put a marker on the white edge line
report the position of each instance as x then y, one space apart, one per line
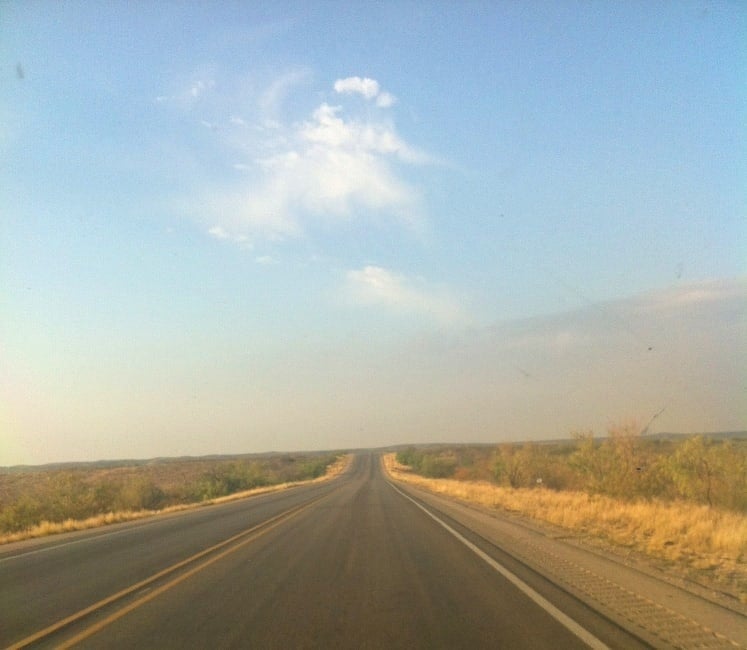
127 527
53 546
587 637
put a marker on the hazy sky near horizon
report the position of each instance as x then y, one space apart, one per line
239 227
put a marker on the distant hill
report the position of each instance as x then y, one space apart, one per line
718 435
135 462
161 460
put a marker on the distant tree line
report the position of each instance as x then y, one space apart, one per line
623 464
30 497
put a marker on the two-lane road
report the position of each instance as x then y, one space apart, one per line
356 565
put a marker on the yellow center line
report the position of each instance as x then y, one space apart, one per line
259 530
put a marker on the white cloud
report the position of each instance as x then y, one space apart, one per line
187 95
644 324
546 376
698 293
369 88
200 86
218 233
274 95
327 128
374 285
328 167
385 100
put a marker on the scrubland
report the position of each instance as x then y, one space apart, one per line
35 502
680 502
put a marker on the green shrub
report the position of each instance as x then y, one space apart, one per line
624 465
54 495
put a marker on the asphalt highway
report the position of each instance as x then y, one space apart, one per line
352 563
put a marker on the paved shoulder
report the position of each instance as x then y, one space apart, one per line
656 610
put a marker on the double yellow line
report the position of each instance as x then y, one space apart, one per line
233 543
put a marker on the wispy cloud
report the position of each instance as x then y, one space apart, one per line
646 323
385 100
377 286
368 88
220 233
199 86
275 94
548 375
700 293
188 94
335 165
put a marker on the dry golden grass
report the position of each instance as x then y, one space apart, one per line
46 528
695 537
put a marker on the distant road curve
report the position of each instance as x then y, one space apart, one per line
352 563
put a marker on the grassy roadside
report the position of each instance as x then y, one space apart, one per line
45 527
698 540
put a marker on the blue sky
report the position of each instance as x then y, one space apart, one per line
230 228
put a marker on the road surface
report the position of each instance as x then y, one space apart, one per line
352 563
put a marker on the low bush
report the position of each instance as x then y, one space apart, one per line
30 496
625 465
433 464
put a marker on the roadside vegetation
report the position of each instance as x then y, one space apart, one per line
680 500
39 501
